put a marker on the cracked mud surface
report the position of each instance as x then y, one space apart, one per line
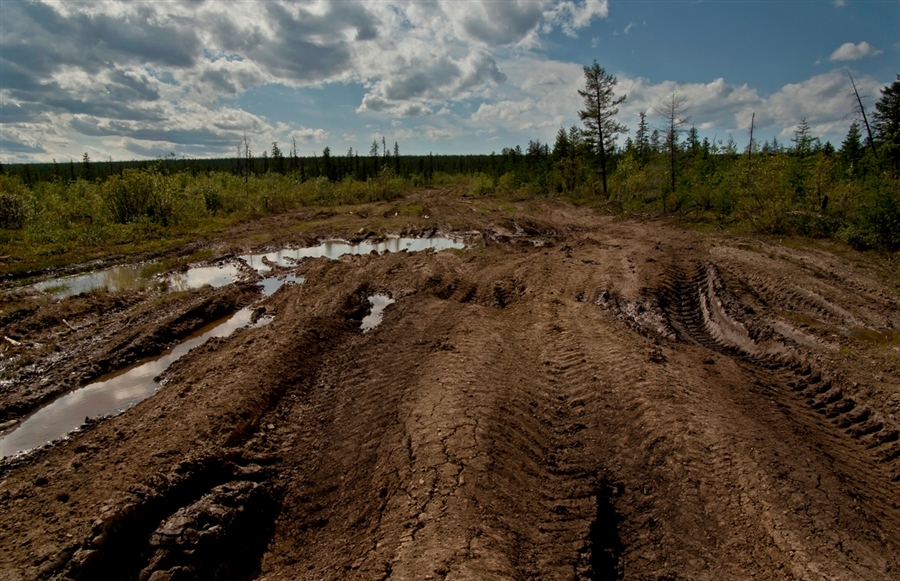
574 397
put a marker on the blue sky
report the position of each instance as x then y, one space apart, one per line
132 80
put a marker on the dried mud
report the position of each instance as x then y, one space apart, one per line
573 397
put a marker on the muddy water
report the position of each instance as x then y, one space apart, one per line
116 392
270 285
197 277
334 249
122 278
375 316
117 278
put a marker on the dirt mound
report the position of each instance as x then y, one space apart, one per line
572 398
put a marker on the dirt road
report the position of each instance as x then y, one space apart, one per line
572 397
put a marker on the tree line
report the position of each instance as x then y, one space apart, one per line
803 186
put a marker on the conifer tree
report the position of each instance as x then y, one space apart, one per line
852 149
642 139
599 115
887 124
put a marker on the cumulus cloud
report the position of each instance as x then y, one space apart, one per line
851 52
423 79
142 68
823 100
306 135
140 78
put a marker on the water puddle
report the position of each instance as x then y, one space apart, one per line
125 278
199 276
883 337
334 249
117 278
375 316
121 278
270 285
116 392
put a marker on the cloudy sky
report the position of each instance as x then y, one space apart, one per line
132 80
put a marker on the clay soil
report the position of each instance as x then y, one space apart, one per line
571 397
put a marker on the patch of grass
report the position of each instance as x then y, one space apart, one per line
412 210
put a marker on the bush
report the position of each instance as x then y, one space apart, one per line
12 203
127 196
881 218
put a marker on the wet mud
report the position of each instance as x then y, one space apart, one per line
570 397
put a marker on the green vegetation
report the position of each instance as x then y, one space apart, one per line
52 214
61 221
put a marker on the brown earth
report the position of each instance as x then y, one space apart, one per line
573 397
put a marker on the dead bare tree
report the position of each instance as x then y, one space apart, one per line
674 112
862 111
750 147
248 157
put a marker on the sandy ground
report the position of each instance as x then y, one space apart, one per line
572 397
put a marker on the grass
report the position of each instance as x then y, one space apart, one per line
169 264
29 255
412 210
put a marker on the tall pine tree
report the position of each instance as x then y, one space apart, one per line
599 115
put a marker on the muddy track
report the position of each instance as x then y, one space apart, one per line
696 313
566 400
100 333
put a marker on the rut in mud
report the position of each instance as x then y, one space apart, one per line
571 398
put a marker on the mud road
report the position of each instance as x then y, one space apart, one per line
570 397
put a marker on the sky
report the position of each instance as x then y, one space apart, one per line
141 80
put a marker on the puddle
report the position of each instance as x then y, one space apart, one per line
124 278
117 278
121 278
334 249
197 277
884 337
375 316
270 285
116 392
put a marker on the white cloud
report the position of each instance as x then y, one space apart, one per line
306 135
851 52
824 100
127 79
162 70
840 3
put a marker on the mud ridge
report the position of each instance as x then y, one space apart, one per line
173 521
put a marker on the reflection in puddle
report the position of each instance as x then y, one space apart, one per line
117 278
121 278
270 285
373 319
334 249
214 276
118 391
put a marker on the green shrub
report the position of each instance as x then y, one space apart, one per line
12 203
128 196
